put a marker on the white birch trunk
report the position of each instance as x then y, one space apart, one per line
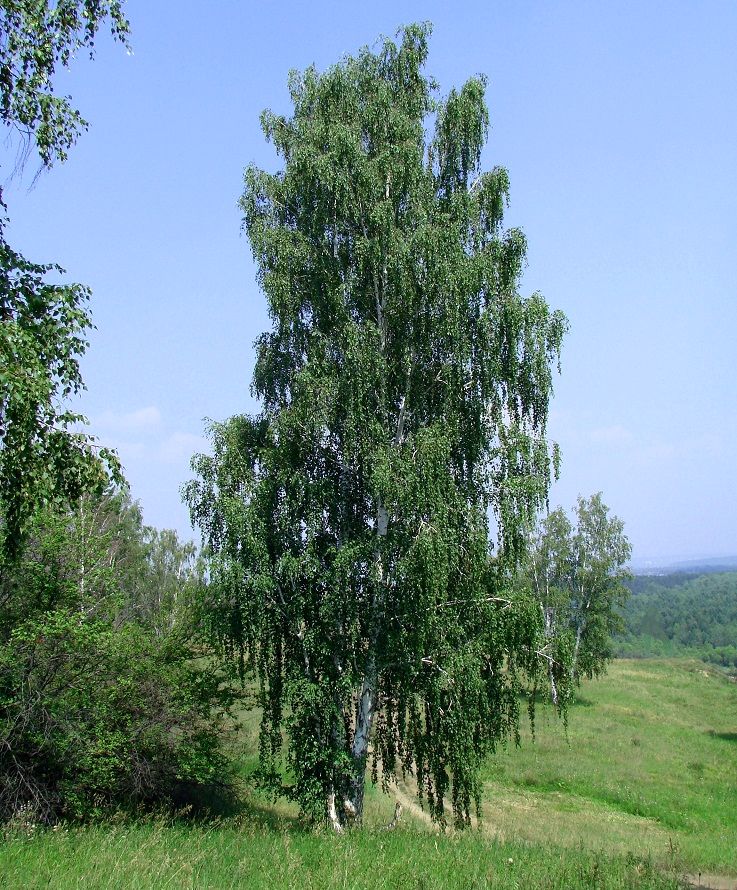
332 813
366 705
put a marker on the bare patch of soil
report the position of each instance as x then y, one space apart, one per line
703 881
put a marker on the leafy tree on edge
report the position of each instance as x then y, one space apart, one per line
103 704
44 461
36 37
405 387
43 326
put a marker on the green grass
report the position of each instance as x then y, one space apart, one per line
232 855
641 789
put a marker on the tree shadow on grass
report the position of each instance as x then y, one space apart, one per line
542 698
725 736
579 701
206 805
263 815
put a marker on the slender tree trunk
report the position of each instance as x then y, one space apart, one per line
574 663
548 614
366 706
359 750
579 632
332 813
553 687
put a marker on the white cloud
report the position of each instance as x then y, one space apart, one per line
180 446
134 421
142 436
612 435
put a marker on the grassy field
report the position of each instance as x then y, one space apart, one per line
641 790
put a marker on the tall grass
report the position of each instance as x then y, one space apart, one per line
235 855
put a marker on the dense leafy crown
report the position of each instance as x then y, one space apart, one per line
405 387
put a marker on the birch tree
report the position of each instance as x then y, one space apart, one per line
599 554
547 573
404 387
37 38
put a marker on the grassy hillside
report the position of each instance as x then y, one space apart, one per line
649 765
642 788
245 857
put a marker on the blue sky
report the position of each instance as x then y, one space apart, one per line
618 124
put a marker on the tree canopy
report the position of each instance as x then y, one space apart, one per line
405 386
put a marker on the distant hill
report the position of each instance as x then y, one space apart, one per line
701 566
682 614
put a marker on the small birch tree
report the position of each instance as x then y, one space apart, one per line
405 386
577 573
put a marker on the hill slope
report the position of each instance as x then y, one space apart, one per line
642 788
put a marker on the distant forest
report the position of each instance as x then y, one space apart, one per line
680 614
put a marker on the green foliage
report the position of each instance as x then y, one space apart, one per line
577 575
405 386
677 614
37 36
167 598
96 718
45 462
101 702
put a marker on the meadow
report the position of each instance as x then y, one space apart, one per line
638 791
